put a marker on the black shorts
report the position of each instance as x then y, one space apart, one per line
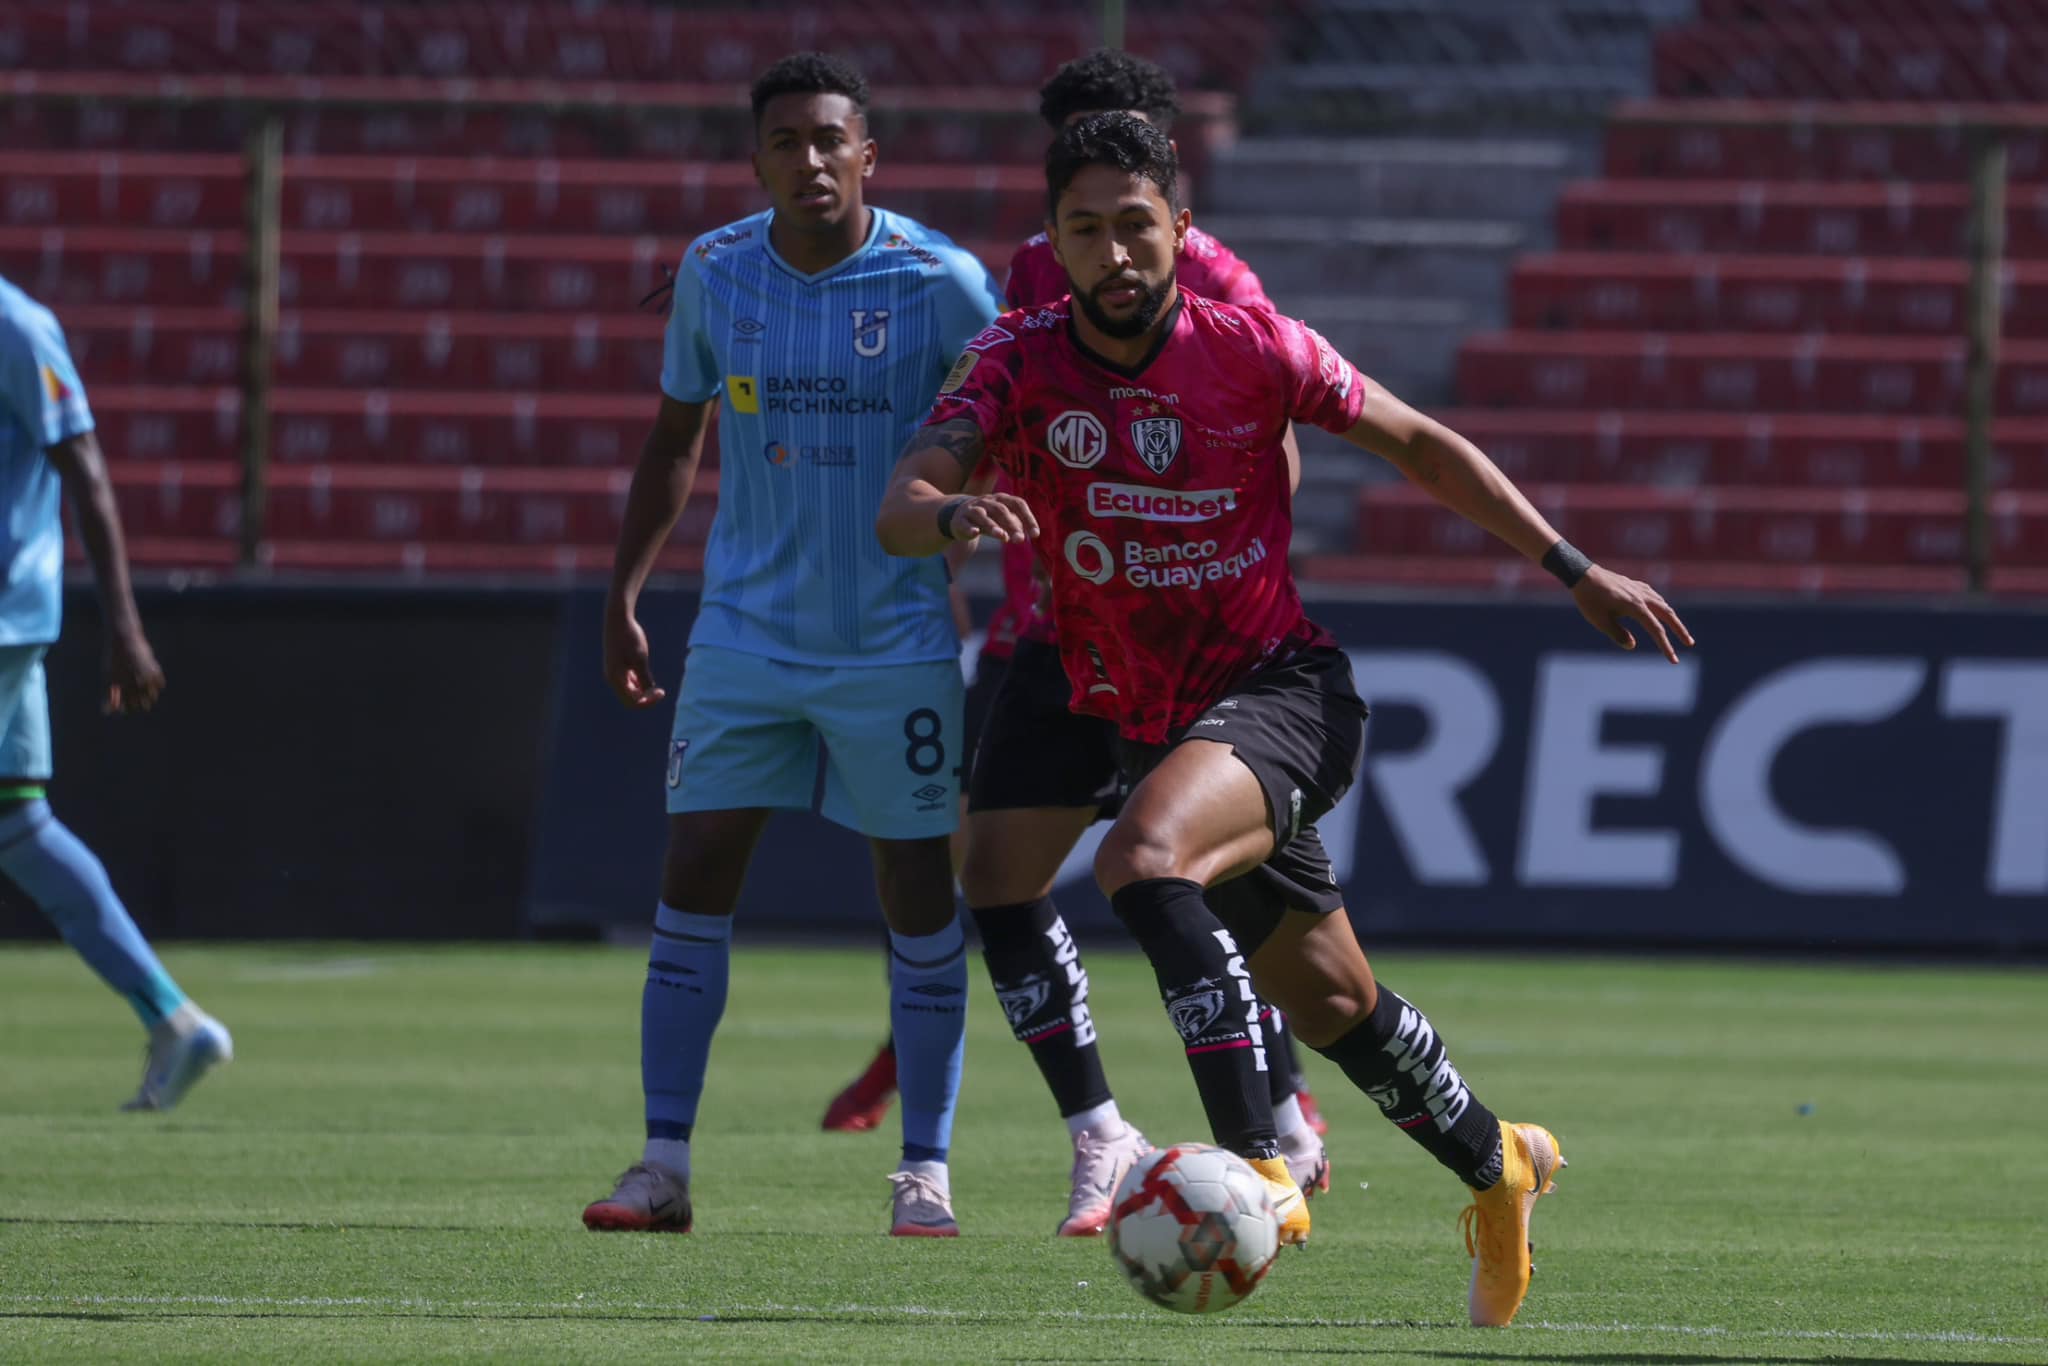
1299 727
1034 751
988 676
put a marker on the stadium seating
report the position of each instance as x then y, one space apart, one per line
726 45
393 196
1744 365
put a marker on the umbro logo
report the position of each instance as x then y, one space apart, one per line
930 792
936 989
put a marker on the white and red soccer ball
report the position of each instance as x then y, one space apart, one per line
1192 1228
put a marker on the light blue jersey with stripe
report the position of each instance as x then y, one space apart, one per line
822 379
42 403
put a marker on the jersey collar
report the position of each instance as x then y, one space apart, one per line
874 236
1166 332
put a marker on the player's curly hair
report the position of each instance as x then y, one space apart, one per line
1122 140
1106 80
811 73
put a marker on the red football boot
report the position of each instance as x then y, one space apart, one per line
861 1106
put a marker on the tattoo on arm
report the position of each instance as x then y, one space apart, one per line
959 437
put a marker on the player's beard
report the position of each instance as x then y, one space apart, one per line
1150 303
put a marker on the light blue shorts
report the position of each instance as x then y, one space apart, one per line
875 748
24 714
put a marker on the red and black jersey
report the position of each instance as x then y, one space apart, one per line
1161 493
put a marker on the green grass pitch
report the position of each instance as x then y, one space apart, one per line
1770 1162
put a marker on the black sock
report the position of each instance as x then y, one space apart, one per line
1396 1057
1279 1047
1290 1053
1208 996
1043 989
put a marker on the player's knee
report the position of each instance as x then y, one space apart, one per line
1135 852
993 875
702 878
1321 1007
915 881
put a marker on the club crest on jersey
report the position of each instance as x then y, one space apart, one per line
870 331
1076 438
1157 440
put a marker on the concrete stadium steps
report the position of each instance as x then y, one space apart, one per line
85 267
1383 257
1785 140
1756 217
364 350
71 191
1391 178
386 504
1343 63
1741 372
1209 45
1660 293
1912 527
1676 578
1933 58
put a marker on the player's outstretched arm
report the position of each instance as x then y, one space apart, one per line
661 485
133 678
1458 475
926 509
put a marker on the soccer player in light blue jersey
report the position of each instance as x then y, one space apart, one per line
822 329
47 447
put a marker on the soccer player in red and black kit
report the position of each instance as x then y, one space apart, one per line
1140 426
1042 773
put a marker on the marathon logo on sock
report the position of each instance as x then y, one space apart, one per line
1067 954
1417 1051
1160 505
1250 999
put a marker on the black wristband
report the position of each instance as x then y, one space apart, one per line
947 512
1567 562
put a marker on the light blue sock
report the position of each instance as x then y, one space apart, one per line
928 1008
67 883
688 967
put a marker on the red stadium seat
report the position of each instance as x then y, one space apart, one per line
1741 372
1677 577
351 426
373 270
446 351
1768 525
1865 218
1802 140
1868 14
70 191
931 46
1762 293
174 500
1689 449
1955 60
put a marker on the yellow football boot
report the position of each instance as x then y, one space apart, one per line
1496 1223
1288 1201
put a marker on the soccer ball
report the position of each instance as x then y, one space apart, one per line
1193 1228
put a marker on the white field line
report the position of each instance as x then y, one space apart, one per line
594 1305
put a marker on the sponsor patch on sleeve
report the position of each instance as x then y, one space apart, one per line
744 392
962 368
